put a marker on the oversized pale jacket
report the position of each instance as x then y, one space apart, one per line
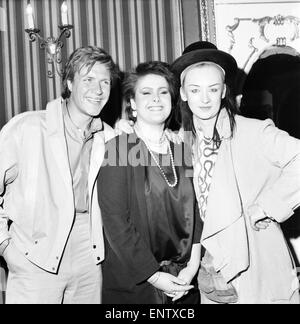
260 165
36 191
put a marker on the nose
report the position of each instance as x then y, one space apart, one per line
205 97
99 89
156 99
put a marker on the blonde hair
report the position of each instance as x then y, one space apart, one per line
200 64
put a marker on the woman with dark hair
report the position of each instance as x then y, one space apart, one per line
247 181
147 201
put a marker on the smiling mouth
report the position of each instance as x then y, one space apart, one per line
156 108
95 100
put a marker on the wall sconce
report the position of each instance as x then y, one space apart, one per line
52 45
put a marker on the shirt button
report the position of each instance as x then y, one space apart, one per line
57 258
94 246
36 242
98 258
26 253
53 269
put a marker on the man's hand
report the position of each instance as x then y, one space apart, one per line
175 137
124 125
258 219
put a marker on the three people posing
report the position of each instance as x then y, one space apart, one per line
246 180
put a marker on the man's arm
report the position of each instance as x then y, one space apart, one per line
279 200
3 246
8 173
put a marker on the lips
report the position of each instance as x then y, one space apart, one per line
156 108
94 100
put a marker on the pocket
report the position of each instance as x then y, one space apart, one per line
15 260
213 284
205 282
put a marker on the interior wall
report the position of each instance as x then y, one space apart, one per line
132 31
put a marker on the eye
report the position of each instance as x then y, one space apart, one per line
88 79
214 90
106 82
164 92
194 91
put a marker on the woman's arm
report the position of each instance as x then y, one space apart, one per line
189 272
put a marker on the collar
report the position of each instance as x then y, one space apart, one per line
55 121
95 125
223 125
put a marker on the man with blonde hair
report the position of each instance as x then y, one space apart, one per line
48 168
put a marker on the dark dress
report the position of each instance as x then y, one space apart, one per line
148 225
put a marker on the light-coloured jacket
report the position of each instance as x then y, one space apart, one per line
36 191
259 165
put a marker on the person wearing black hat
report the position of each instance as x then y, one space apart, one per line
247 181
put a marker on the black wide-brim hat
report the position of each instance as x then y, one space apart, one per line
205 51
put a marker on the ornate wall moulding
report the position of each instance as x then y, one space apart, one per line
277 31
208 23
247 29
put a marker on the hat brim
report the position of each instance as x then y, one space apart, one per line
225 60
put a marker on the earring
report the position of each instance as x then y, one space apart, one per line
134 113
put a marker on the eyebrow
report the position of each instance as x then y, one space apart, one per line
94 77
196 85
145 88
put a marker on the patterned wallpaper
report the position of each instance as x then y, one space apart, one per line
131 30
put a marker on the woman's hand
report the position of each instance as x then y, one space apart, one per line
189 272
258 219
169 284
186 275
124 125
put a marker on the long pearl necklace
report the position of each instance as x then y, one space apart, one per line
172 185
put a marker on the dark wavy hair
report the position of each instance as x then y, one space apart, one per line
143 69
86 56
184 114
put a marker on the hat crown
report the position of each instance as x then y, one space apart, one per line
203 51
200 45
